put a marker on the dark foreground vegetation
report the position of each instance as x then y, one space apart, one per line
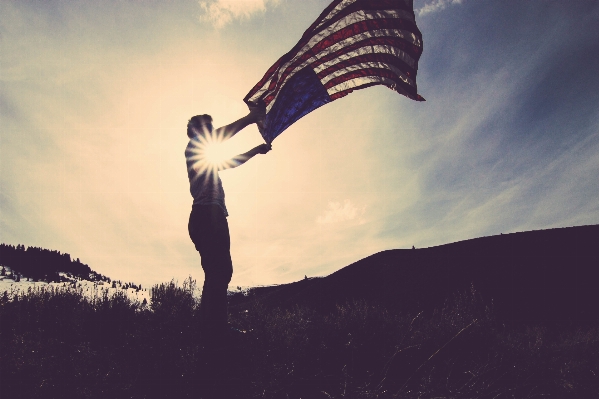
57 344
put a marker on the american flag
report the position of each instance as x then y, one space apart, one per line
352 45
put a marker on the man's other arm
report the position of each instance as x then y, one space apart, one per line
246 156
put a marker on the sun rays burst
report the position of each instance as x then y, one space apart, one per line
209 154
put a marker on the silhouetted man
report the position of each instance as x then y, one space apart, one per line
208 227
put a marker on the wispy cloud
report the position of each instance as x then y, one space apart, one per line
436 5
222 12
338 212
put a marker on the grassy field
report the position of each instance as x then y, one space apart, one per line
55 343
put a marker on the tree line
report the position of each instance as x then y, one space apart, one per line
44 264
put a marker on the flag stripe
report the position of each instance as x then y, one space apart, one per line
367 45
362 72
352 45
363 82
371 7
254 95
377 40
370 40
327 15
329 80
360 28
361 23
364 54
345 88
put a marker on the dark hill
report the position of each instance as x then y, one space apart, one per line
44 264
545 275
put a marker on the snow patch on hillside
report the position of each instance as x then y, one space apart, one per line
90 289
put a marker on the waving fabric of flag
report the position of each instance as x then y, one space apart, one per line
352 45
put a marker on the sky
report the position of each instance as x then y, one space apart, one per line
95 98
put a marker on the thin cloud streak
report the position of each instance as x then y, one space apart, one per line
223 12
435 6
337 212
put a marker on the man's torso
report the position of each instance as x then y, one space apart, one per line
205 184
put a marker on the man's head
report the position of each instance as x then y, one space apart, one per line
198 125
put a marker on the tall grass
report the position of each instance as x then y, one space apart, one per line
56 343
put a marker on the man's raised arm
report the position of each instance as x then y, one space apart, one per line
255 115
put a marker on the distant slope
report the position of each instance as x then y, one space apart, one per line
545 275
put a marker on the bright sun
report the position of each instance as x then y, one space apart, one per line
209 153
215 153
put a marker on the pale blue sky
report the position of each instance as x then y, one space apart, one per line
95 96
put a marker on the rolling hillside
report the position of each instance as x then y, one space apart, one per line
545 275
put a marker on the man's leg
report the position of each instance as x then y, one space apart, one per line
213 307
210 233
